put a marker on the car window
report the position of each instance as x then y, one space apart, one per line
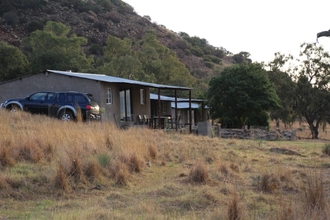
80 99
40 96
61 96
50 95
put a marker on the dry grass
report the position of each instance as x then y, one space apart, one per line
73 170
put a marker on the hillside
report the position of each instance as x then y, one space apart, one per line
96 21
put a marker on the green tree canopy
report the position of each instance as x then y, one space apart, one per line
161 63
285 89
120 60
240 93
13 63
51 48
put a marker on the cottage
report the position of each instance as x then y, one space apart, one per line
123 100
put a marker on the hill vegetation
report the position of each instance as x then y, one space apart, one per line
56 170
95 22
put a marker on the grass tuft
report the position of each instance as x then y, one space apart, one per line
268 183
235 210
6 160
199 173
326 149
61 179
153 152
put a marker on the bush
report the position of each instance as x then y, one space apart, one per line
35 25
99 25
199 173
326 149
10 18
95 49
209 64
197 51
104 160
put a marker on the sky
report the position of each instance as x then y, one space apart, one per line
260 27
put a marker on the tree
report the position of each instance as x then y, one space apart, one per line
285 89
51 48
312 92
120 60
311 75
161 64
240 93
13 63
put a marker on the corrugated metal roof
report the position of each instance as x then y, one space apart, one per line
113 79
154 96
184 105
165 98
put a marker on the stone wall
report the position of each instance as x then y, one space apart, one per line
255 134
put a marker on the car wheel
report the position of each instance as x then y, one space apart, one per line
66 116
14 108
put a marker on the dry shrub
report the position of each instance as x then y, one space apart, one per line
268 183
6 160
163 162
224 169
77 170
136 163
79 117
61 179
121 174
49 152
314 194
234 167
153 151
235 210
30 151
199 173
92 170
3 183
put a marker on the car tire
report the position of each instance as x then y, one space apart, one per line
14 108
66 115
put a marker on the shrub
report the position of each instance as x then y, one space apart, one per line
99 25
121 174
77 170
268 183
326 149
234 209
10 18
92 170
6 159
34 25
209 64
135 164
315 197
153 151
197 51
199 173
104 160
61 179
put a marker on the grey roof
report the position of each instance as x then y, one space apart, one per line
113 79
184 105
172 99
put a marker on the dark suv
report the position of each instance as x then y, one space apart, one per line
63 105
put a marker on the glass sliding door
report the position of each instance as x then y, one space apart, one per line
125 105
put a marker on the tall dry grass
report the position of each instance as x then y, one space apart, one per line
170 175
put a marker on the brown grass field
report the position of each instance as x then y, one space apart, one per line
51 169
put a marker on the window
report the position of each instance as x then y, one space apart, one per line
109 96
142 96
